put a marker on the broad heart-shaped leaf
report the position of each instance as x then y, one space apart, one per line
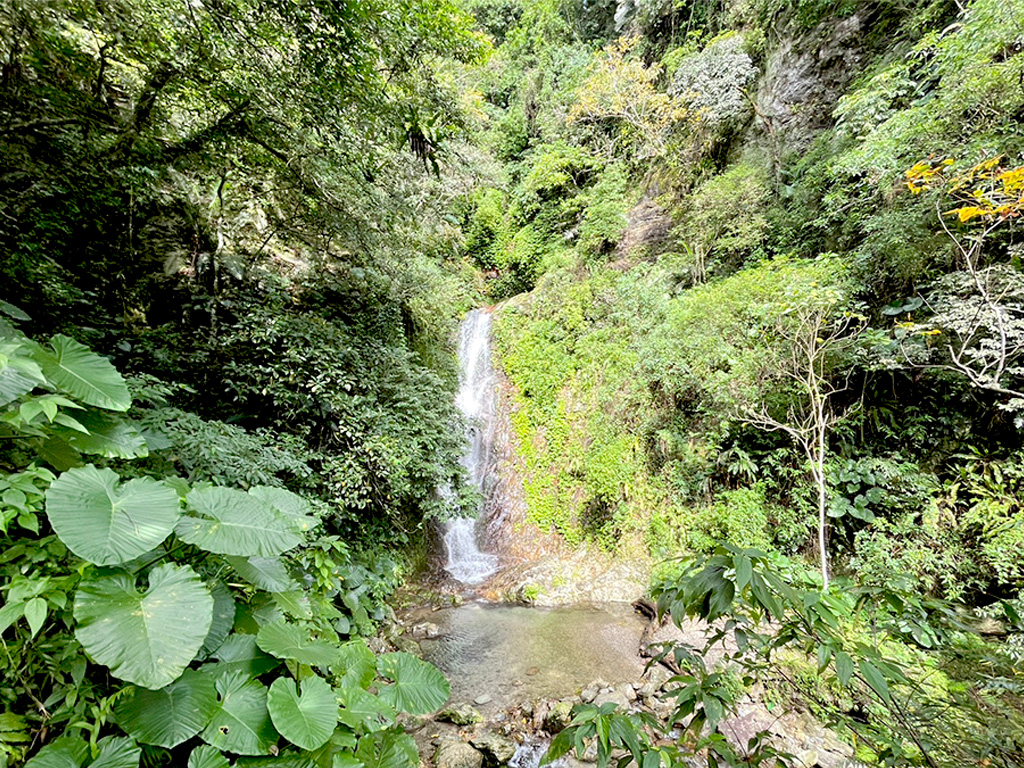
288 641
356 664
107 524
117 752
108 435
231 522
307 717
239 654
19 374
290 505
419 687
205 756
241 724
65 752
223 617
83 374
171 715
147 639
363 711
267 573
388 749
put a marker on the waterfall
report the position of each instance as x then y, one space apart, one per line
475 400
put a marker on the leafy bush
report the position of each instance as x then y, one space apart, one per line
221 631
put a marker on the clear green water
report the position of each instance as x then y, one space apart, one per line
516 653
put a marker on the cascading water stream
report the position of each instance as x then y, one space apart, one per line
475 400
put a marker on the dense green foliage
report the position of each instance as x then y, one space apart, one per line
760 283
773 260
239 206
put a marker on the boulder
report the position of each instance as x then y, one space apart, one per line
459 714
457 754
497 749
616 696
427 630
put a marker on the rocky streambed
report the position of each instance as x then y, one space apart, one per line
517 671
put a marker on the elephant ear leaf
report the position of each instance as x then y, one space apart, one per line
418 688
77 370
117 752
290 505
146 638
307 716
107 523
171 715
387 749
288 641
205 756
65 752
241 724
232 522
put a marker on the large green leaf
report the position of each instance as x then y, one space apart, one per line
117 752
419 687
145 638
356 664
241 724
205 756
171 715
290 505
306 717
65 752
231 522
82 373
267 573
388 749
364 711
239 654
109 524
107 435
19 374
288 641
223 617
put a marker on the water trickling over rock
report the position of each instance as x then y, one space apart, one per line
476 401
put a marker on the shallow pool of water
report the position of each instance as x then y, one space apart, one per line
515 653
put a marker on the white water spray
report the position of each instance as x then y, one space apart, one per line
476 400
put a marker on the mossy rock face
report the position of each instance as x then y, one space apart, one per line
460 714
497 749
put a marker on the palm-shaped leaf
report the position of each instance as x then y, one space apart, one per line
306 717
241 724
231 522
77 370
108 524
171 715
418 688
145 638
